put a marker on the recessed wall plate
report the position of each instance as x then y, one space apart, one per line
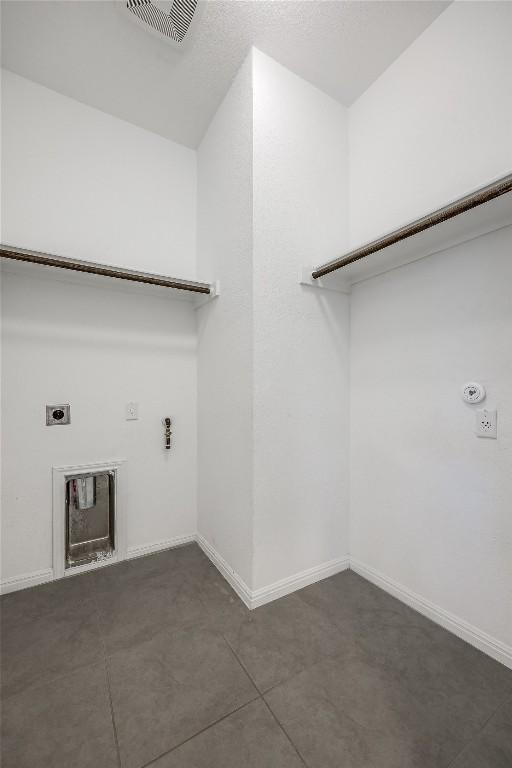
58 414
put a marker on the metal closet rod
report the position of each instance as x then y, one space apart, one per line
62 262
463 204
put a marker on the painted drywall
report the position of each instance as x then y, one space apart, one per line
84 184
273 431
97 348
430 501
1 377
93 52
225 330
300 334
437 123
81 183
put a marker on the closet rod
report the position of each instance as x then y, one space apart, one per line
49 260
463 204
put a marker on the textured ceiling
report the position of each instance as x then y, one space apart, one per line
93 52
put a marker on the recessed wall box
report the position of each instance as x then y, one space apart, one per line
58 414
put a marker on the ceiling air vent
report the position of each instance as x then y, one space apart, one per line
172 20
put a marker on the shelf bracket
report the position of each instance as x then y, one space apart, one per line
201 299
332 282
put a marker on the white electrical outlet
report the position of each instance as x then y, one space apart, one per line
132 411
486 424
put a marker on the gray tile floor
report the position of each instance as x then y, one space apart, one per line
156 662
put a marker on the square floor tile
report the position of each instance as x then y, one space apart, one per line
46 646
167 689
420 655
134 570
224 609
65 595
282 638
347 599
63 724
157 568
347 713
134 614
492 747
249 738
356 678
431 658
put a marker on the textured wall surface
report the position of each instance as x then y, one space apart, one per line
430 501
96 348
225 383
300 334
437 123
284 172
273 355
80 183
93 52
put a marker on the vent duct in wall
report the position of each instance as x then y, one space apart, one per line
171 20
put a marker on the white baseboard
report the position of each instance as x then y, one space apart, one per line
481 640
298 581
255 598
40 577
158 546
25 580
233 579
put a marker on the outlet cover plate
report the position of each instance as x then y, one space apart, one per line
486 423
132 411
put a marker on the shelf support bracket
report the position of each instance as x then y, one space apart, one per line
333 282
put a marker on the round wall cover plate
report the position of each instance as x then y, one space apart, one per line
472 392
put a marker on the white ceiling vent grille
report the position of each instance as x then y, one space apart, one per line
170 19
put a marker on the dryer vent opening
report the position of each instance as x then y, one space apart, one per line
170 19
90 518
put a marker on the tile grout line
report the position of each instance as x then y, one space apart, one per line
263 692
479 732
237 658
220 719
112 715
96 608
289 739
107 675
234 653
262 697
203 730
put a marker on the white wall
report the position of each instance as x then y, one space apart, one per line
81 183
430 502
437 123
225 383
273 355
300 334
96 348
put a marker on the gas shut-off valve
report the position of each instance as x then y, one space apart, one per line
167 432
